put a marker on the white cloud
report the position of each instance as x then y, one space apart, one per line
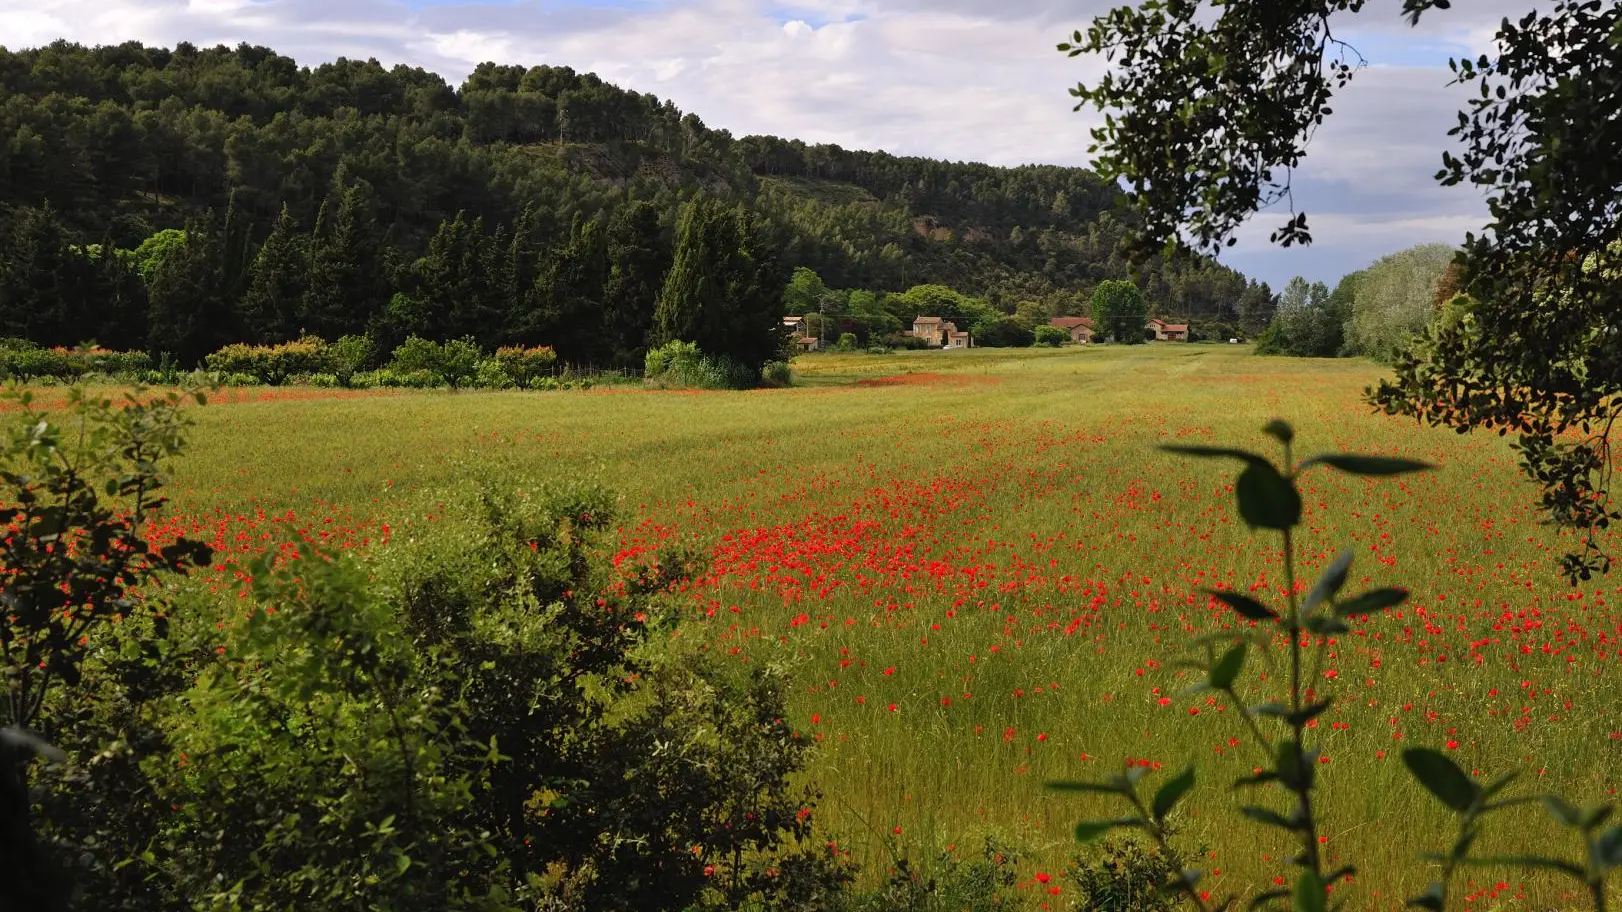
956 79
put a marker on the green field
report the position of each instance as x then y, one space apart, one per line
976 571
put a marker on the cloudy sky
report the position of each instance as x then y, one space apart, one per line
974 80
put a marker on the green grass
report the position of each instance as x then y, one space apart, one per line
989 541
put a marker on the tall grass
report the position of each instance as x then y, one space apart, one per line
978 570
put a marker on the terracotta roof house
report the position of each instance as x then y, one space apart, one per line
928 329
955 339
1167 332
1079 328
795 326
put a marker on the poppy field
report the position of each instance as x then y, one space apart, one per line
975 573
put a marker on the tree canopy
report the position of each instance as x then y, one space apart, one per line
531 205
1212 106
1119 311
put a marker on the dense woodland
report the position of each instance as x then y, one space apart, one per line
174 200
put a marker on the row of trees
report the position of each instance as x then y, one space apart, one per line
597 294
1374 312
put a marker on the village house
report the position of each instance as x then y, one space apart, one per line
1079 328
796 329
938 333
1167 332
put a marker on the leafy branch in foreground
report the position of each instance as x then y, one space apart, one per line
1269 499
74 496
1209 106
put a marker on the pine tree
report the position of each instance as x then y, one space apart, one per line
277 283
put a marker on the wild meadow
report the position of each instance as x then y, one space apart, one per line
977 572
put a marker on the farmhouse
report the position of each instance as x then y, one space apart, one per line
938 333
796 329
1167 332
1079 328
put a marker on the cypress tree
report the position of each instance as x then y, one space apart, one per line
638 259
680 308
569 293
34 274
347 285
277 283
188 312
724 290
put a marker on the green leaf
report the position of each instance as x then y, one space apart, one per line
1595 816
1330 583
1324 625
1185 880
1372 602
1441 777
1088 830
1227 668
1269 817
1562 810
1526 861
1261 778
1244 604
1608 848
1367 465
1168 795
1267 500
1430 899
1309 892
1294 769
401 863
1265 898
1280 430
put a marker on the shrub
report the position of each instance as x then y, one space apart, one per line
22 360
777 373
846 343
452 363
1050 336
271 364
526 364
79 494
1122 874
983 884
877 350
368 379
905 342
348 355
491 375
461 723
680 365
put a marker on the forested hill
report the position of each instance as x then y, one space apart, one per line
348 175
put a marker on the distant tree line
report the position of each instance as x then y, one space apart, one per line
1373 312
530 204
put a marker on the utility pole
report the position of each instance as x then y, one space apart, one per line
822 323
